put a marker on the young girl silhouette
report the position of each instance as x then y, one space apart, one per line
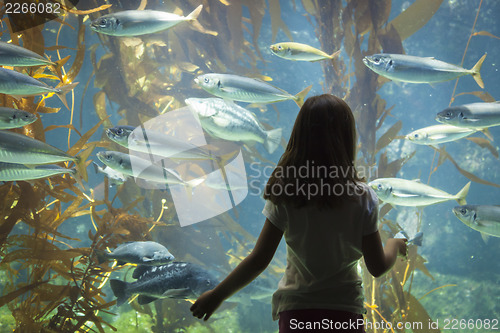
328 216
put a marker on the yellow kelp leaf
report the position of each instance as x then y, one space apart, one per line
418 316
483 143
309 6
80 54
485 33
467 174
484 95
52 127
100 108
142 5
415 17
57 47
84 138
46 76
257 9
389 135
276 21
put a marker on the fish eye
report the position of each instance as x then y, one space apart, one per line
206 80
390 62
119 131
463 211
380 187
416 136
102 22
448 114
14 116
376 59
280 47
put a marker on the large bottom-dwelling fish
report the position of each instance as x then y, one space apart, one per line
482 218
180 280
142 253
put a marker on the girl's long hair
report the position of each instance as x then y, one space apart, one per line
318 163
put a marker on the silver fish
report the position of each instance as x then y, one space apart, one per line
14 55
406 68
14 118
438 134
142 253
139 22
474 115
179 280
152 142
18 84
244 89
114 177
405 192
229 121
140 168
15 172
482 218
300 52
18 148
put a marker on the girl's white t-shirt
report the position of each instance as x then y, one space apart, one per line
323 249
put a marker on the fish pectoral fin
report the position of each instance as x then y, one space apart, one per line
485 237
178 293
222 122
143 299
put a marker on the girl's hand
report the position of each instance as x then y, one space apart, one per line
402 247
206 304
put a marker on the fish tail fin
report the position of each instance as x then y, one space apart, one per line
418 238
476 75
334 54
272 140
119 289
460 196
299 98
63 91
195 13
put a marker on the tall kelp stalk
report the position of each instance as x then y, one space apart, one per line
362 28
